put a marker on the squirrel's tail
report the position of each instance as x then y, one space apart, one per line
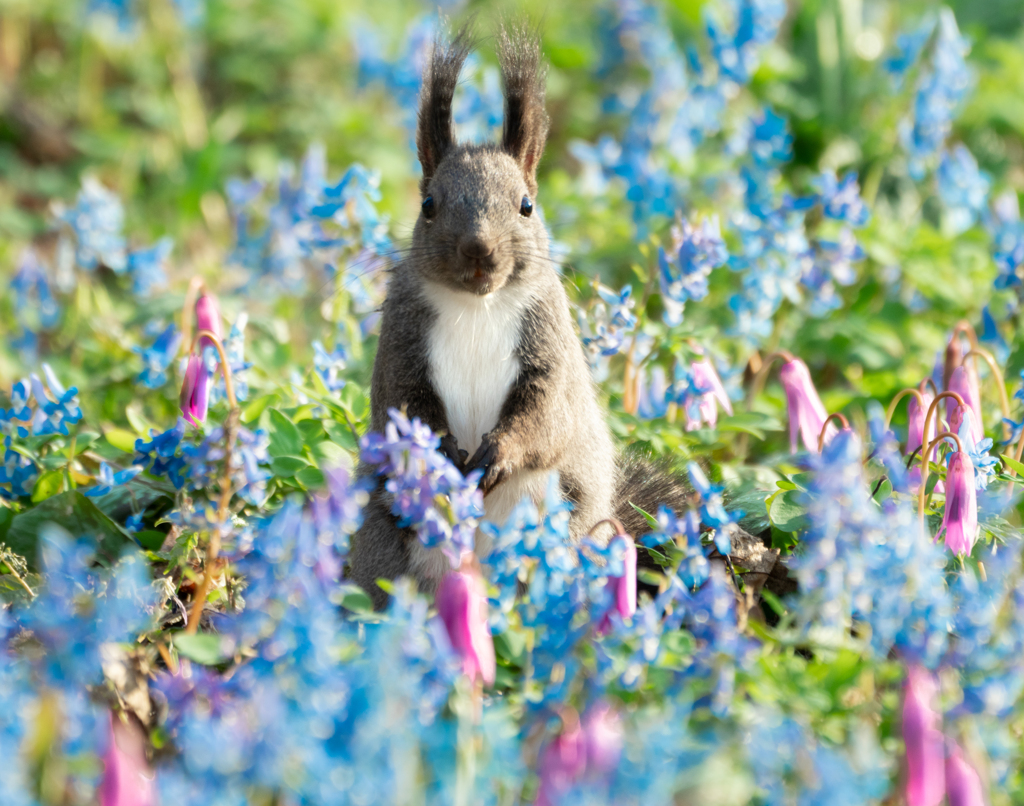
647 484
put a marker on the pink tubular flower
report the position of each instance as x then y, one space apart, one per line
623 588
806 411
562 763
208 318
923 740
705 377
195 391
963 786
602 727
127 779
960 518
966 385
462 605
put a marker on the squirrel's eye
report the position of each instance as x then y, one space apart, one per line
526 207
428 208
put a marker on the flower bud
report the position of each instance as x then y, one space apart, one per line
127 779
806 411
462 605
965 384
923 740
208 318
963 786
960 518
195 390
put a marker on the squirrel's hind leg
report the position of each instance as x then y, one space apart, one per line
380 549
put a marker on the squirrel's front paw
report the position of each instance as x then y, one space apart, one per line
449 447
489 458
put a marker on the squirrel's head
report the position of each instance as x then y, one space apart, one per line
477 227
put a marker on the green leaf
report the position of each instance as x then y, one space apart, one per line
121 438
205 648
511 646
285 439
754 423
256 407
75 513
1013 464
150 539
356 600
330 455
47 485
651 520
310 477
287 466
786 514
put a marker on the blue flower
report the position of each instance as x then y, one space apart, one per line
96 222
54 416
962 187
18 473
158 357
329 365
108 479
146 266
698 251
160 455
841 200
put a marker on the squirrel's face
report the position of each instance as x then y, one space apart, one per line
477 228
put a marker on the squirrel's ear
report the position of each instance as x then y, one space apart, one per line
434 130
526 120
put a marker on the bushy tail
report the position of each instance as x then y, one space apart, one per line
648 484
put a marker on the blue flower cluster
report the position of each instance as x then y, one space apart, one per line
606 327
308 224
697 251
430 494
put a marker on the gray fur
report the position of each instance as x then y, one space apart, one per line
477 242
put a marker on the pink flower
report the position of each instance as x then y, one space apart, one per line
963 786
923 740
965 384
915 422
705 377
960 518
562 763
623 588
208 318
127 779
195 390
462 605
591 748
602 728
806 411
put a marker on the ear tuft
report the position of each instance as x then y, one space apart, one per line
526 120
434 127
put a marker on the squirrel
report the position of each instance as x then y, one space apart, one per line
477 339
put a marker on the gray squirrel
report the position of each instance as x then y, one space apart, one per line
477 338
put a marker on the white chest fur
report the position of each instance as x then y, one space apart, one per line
472 355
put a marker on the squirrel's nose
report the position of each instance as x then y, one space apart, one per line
475 249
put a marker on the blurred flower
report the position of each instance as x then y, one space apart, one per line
54 416
713 394
158 357
697 251
652 397
922 737
991 336
963 786
108 479
96 222
842 200
146 266
621 586
462 605
807 413
965 383
962 187
208 318
329 365
960 517
562 762
18 473
127 778
1007 232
